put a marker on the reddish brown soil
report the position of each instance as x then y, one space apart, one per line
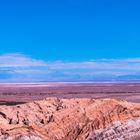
13 94
71 119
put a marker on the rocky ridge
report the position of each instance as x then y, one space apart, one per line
71 119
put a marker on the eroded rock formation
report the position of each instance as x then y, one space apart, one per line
71 119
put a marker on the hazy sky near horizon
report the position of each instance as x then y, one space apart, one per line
69 39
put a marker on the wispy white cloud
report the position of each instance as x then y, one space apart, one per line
14 60
19 67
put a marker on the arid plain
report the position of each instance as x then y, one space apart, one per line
19 93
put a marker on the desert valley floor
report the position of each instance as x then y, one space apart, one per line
21 93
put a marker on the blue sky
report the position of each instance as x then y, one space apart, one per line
69 31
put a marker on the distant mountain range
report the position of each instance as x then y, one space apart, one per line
11 76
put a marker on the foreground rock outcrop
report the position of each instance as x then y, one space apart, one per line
71 119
